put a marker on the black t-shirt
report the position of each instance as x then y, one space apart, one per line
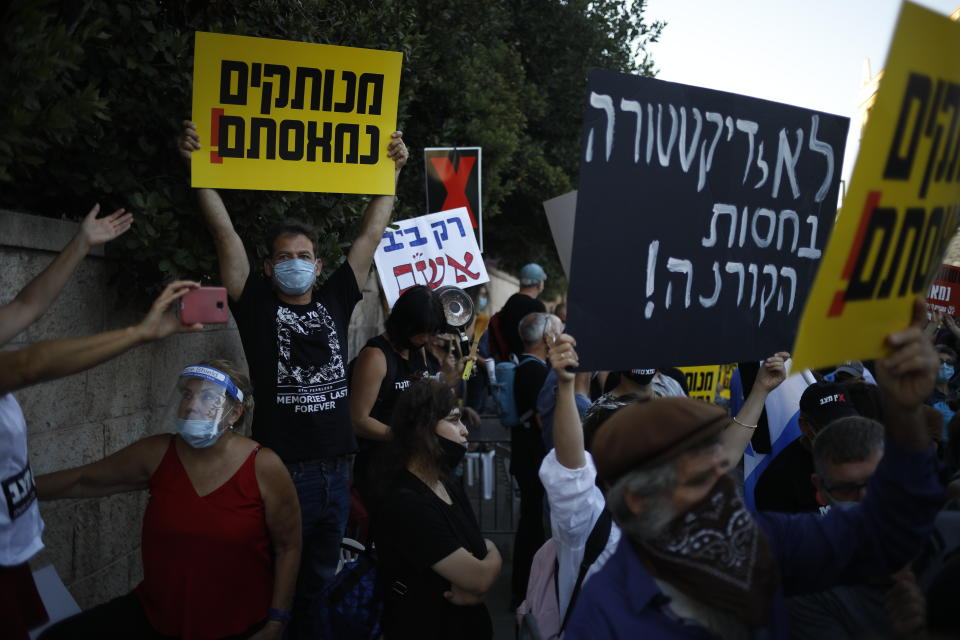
527 382
298 365
414 530
517 306
785 486
399 376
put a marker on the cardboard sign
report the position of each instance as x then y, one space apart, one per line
901 208
453 181
700 220
561 214
944 295
433 250
293 116
702 382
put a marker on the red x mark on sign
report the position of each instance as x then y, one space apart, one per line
455 182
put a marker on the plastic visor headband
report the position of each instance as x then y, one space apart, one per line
215 376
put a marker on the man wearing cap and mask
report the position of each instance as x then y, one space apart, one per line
506 328
294 336
785 485
695 563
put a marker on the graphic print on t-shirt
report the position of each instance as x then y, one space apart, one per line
311 375
20 492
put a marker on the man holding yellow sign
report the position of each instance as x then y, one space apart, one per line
297 116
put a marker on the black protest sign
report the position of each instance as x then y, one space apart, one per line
453 181
701 217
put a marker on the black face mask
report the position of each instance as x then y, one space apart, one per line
451 453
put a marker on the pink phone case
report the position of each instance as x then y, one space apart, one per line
207 305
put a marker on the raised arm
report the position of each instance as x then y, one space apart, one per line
35 298
567 430
57 358
736 437
231 254
368 373
283 523
128 469
376 217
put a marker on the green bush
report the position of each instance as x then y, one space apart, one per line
98 89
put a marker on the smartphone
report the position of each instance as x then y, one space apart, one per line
206 304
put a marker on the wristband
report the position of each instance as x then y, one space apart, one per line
743 424
278 615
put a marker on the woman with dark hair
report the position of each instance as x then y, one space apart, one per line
386 366
434 565
221 532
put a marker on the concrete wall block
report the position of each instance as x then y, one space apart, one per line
104 585
91 549
56 404
25 231
79 309
121 524
65 448
118 387
125 430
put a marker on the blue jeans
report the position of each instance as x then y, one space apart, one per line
323 488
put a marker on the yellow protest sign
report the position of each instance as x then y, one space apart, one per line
293 116
702 382
901 208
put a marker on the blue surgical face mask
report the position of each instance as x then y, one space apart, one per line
482 302
294 277
199 434
945 373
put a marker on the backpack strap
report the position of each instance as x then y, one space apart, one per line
596 543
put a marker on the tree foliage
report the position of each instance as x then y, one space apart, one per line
97 90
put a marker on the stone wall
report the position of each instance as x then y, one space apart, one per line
95 543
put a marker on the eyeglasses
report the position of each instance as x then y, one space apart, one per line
849 491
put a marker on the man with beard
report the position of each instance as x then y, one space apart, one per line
694 562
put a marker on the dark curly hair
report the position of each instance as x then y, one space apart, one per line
415 418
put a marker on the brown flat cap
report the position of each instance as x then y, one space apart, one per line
643 435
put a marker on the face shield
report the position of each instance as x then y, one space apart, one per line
205 403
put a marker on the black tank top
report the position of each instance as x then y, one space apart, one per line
399 376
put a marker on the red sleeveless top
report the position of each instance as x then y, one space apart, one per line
207 567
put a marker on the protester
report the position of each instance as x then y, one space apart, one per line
526 445
386 367
845 456
20 521
945 397
568 473
434 565
294 336
222 513
785 485
696 558
503 333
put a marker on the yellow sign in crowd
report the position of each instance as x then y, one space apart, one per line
294 116
901 208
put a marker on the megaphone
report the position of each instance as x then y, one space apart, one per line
458 312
